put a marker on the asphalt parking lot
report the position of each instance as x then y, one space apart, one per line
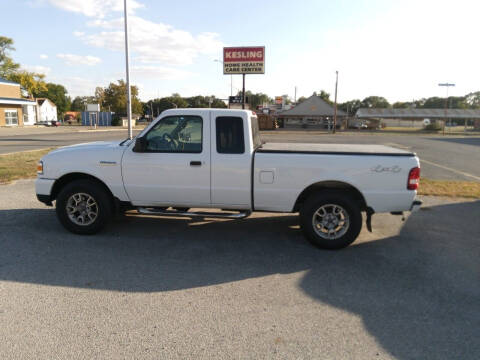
442 157
253 289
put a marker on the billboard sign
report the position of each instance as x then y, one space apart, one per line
244 60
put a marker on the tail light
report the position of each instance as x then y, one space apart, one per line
413 179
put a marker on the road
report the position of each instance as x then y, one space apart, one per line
445 158
164 288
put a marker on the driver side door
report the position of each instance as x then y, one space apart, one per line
174 168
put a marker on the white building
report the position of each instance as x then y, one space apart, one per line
29 114
46 109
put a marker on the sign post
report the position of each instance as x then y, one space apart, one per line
244 60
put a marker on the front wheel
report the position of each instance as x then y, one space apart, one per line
83 207
331 220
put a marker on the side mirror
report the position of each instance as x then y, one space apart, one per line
140 145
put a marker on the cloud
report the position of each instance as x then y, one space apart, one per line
37 69
95 8
153 42
78 33
159 72
43 56
71 59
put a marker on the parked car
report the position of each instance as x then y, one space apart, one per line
214 158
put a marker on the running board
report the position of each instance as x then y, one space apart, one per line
203 214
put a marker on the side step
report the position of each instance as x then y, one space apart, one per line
202 214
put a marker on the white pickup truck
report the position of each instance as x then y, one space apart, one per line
212 158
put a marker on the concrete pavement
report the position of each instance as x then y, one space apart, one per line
149 288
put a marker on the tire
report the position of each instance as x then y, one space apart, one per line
336 231
84 197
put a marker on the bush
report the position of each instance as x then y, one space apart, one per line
433 127
116 120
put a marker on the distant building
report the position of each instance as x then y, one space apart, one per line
417 117
313 113
14 110
47 110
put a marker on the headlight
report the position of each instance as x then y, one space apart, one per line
40 168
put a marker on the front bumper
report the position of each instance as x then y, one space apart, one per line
43 189
416 205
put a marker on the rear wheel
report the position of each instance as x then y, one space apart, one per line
331 220
83 207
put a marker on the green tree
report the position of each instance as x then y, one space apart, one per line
116 98
403 105
351 106
58 94
7 65
375 102
301 99
255 99
473 100
78 103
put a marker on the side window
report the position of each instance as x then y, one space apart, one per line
176 134
230 138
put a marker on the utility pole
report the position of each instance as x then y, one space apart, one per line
335 108
127 66
243 92
295 99
447 85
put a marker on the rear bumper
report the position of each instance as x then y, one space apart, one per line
43 189
416 205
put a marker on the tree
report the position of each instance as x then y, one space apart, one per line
403 105
116 99
58 94
7 65
100 97
255 99
375 102
325 96
473 100
78 104
351 106
31 82
301 99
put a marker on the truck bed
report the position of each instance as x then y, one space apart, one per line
333 149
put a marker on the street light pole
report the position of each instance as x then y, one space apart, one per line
127 66
447 85
335 108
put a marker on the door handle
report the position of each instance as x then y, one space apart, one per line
195 163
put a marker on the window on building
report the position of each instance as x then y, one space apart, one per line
11 117
230 139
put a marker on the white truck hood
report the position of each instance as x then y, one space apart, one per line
91 158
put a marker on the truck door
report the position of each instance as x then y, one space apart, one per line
231 160
175 167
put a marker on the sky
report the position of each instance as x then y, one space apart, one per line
397 49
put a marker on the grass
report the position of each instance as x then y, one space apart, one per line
24 166
20 165
448 188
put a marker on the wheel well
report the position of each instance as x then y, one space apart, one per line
68 178
330 185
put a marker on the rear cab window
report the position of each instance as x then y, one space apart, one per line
230 135
257 142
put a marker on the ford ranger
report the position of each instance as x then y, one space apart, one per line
214 159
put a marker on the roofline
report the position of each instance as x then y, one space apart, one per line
8 82
14 101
